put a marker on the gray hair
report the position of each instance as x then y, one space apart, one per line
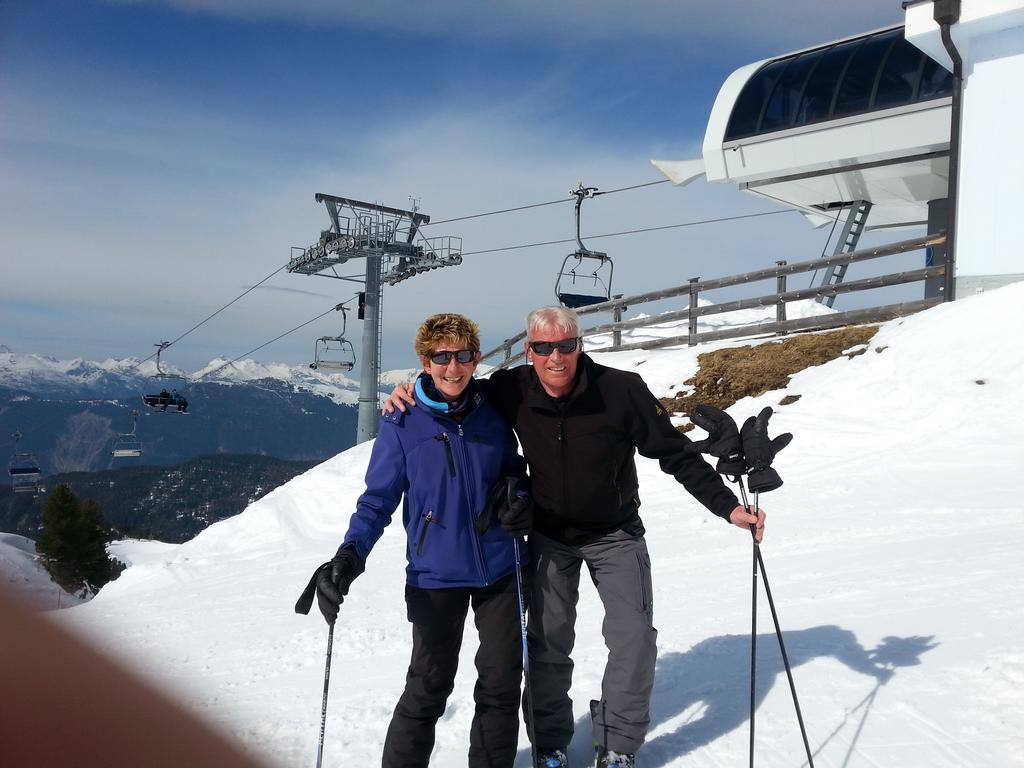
552 318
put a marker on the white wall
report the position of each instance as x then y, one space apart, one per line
990 39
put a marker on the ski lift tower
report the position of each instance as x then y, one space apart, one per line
386 239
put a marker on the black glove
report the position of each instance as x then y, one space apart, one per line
516 518
334 578
760 452
723 440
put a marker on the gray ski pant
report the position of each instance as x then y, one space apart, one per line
620 568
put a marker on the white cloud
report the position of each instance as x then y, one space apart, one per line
138 212
793 23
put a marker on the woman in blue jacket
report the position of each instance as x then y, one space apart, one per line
445 458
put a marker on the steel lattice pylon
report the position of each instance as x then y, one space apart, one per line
390 241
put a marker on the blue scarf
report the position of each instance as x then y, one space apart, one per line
429 395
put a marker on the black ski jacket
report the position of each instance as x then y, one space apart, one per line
580 449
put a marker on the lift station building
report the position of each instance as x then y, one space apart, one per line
861 128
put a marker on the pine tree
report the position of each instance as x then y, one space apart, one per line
73 543
93 563
57 543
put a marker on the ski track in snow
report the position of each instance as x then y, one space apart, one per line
892 555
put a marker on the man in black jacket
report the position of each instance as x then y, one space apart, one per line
580 424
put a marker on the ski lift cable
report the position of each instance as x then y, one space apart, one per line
538 205
627 232
494 213
335 308
466 253
632 186
213 315
443 221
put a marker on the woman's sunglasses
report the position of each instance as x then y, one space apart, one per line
462 356
545 348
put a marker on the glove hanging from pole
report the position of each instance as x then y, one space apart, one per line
723 440
759 452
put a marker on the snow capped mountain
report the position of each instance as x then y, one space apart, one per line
49 377
70 411
343 389
124 377
892 552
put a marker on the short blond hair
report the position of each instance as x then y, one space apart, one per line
446 328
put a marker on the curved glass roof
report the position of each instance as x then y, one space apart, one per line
878 71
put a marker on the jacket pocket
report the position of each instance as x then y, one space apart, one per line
443 437
643 562
424 527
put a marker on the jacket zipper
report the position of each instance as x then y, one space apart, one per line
643 585
443 437
469 506
561 446
427 520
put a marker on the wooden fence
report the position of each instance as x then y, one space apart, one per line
779 299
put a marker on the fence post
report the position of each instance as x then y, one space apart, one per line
780 307
617 318
693 310
508 350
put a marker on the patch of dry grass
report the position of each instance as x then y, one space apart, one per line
728 375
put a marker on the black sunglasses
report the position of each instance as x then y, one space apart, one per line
545 348
462 356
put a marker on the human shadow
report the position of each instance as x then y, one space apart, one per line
704 693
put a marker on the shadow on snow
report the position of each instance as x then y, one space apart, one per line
707 688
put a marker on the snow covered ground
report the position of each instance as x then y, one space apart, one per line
893 554
23 576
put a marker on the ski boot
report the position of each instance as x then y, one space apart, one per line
552 758
609 758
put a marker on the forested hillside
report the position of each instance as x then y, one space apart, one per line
169 503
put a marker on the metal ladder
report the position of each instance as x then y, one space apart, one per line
853 228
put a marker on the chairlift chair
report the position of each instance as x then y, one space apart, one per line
166 399
577 285
160 372
127 445
335 353
24 470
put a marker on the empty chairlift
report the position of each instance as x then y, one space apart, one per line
127 445
585 277
24 469
334 353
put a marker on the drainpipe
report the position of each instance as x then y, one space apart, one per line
946 13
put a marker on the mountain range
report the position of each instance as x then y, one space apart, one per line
70 412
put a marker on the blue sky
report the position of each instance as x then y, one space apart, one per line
158 158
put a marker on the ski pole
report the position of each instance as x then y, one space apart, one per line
785 657
759 564
327 686
753 617
526 654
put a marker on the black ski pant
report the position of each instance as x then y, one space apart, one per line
438 617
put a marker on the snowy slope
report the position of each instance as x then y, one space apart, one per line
22 575
892 553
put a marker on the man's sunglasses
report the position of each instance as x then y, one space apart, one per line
545 348
462 356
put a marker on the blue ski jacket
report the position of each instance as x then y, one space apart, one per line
445 470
